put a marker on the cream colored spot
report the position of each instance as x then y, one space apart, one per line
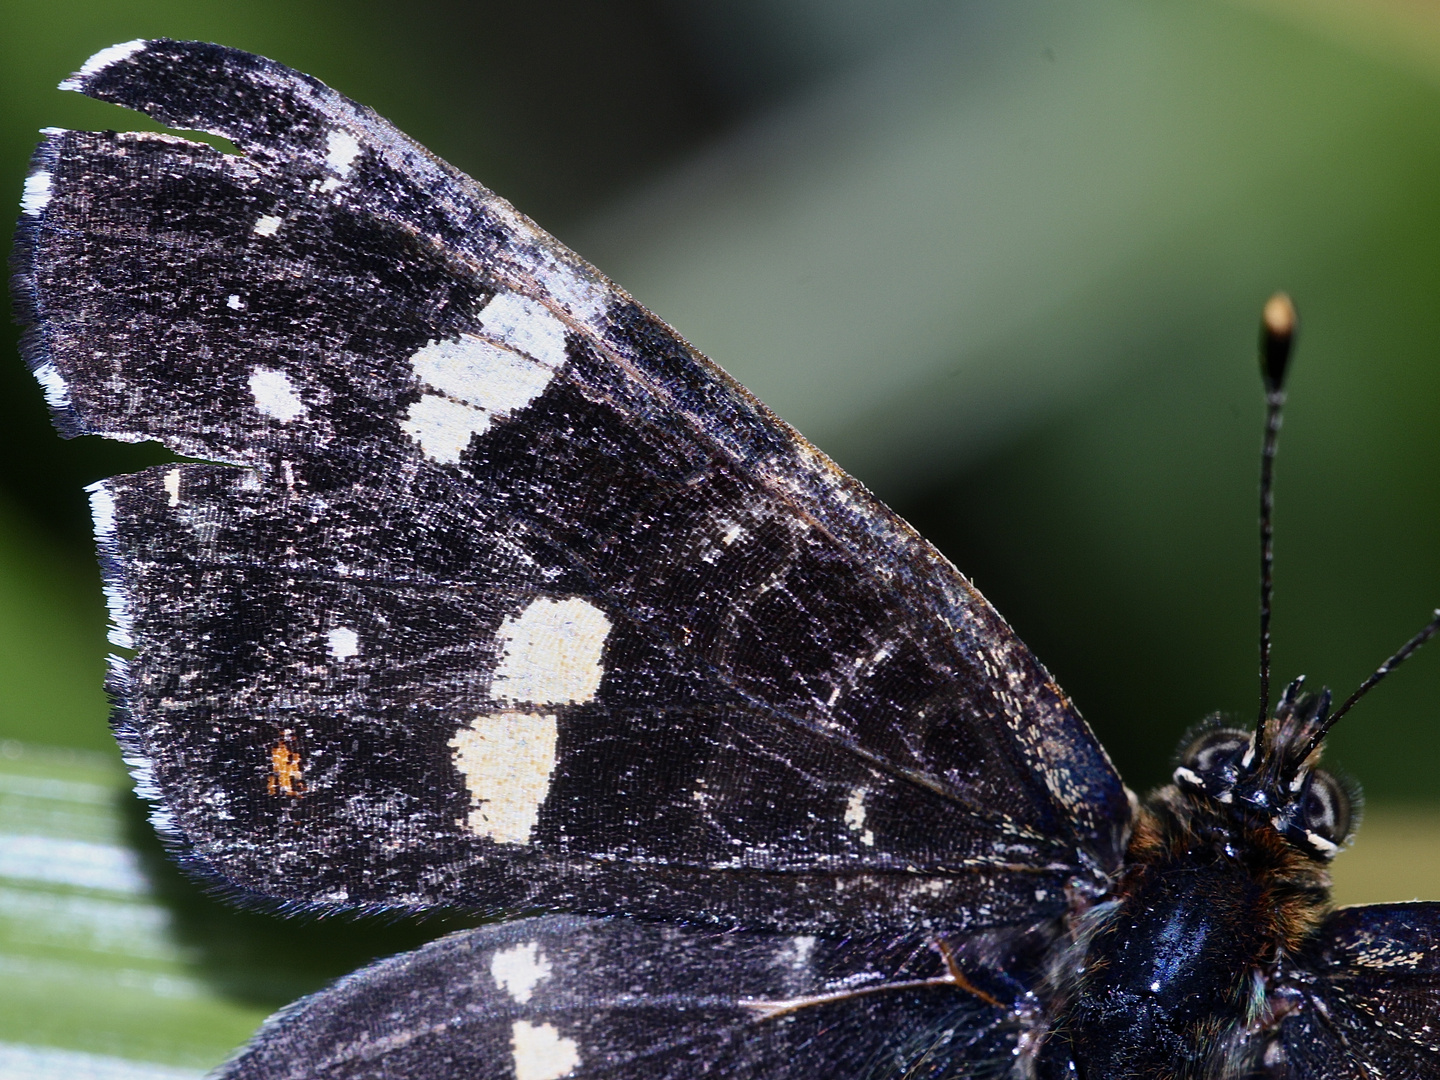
443 427
541 1053
275 395
855 816
477 381
585 298
550 652
344 643
506 759
481 373
266 225
516 970
341 150
527 325
233 302
172 486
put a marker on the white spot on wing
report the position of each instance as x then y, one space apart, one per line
344 643
516 970
341 150
267 225
527 325
172 486
540 1052
481 373
36 193
275 395
585 298
233 302
443 427
101 60
478 380
506 759
855 816
54 386
550 652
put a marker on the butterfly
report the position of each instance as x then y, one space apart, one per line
484 590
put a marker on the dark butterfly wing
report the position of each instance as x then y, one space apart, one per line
539 999
518 600
1369 1004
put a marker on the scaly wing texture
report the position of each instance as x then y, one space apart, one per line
513 599
588 999
1369 1001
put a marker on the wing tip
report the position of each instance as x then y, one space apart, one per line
107 57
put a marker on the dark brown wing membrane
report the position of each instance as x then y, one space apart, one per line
1368 1003
497 513
589 999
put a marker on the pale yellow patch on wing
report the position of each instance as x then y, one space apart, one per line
550 652
518 969
506 759
540 1052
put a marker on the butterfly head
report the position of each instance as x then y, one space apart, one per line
1273 776
1270 776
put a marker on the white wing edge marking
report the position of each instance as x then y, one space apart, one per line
36 195
112 54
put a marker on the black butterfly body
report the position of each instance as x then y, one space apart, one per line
492 593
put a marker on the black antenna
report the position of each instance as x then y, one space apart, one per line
1278 323
1401 655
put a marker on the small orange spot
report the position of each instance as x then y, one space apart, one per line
285 772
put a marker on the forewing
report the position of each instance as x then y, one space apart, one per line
544 998
516 599
1370 1005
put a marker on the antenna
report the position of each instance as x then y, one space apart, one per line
1401 655
1278 323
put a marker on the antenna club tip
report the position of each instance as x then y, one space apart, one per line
1278 323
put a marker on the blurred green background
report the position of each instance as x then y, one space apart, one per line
1003 260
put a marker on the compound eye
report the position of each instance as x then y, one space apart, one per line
1326 809
1216 752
